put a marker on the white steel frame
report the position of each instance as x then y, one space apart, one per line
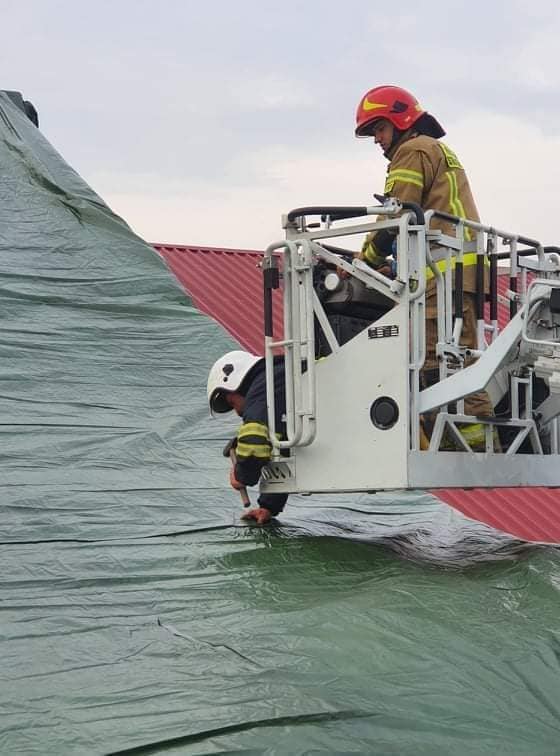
417 248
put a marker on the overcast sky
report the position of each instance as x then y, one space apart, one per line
200 123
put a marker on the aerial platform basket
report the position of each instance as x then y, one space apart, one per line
354 346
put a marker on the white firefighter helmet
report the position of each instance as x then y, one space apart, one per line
226 375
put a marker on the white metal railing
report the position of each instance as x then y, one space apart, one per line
301 306
418 249
298 344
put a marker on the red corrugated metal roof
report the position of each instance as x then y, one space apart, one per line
227 285
532 514
503 309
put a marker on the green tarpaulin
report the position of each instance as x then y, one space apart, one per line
139 616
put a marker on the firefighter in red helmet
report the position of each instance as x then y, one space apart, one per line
397 106
424 170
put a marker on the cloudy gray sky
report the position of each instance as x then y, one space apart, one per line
200 123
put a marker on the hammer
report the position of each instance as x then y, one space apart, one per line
229 451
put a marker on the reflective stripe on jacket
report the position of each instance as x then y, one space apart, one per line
425 171
253 441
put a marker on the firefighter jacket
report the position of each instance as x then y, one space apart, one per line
253 448
425 171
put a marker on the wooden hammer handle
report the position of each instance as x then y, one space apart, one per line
242 491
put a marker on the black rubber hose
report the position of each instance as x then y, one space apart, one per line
480 287
335 212
459 290
493 287
512 302
270 282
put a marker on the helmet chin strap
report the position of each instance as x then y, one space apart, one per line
398 137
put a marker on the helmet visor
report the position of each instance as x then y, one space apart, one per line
366 129
218 402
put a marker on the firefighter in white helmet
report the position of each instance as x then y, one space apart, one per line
237 381
423 170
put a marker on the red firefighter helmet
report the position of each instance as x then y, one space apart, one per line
397 106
